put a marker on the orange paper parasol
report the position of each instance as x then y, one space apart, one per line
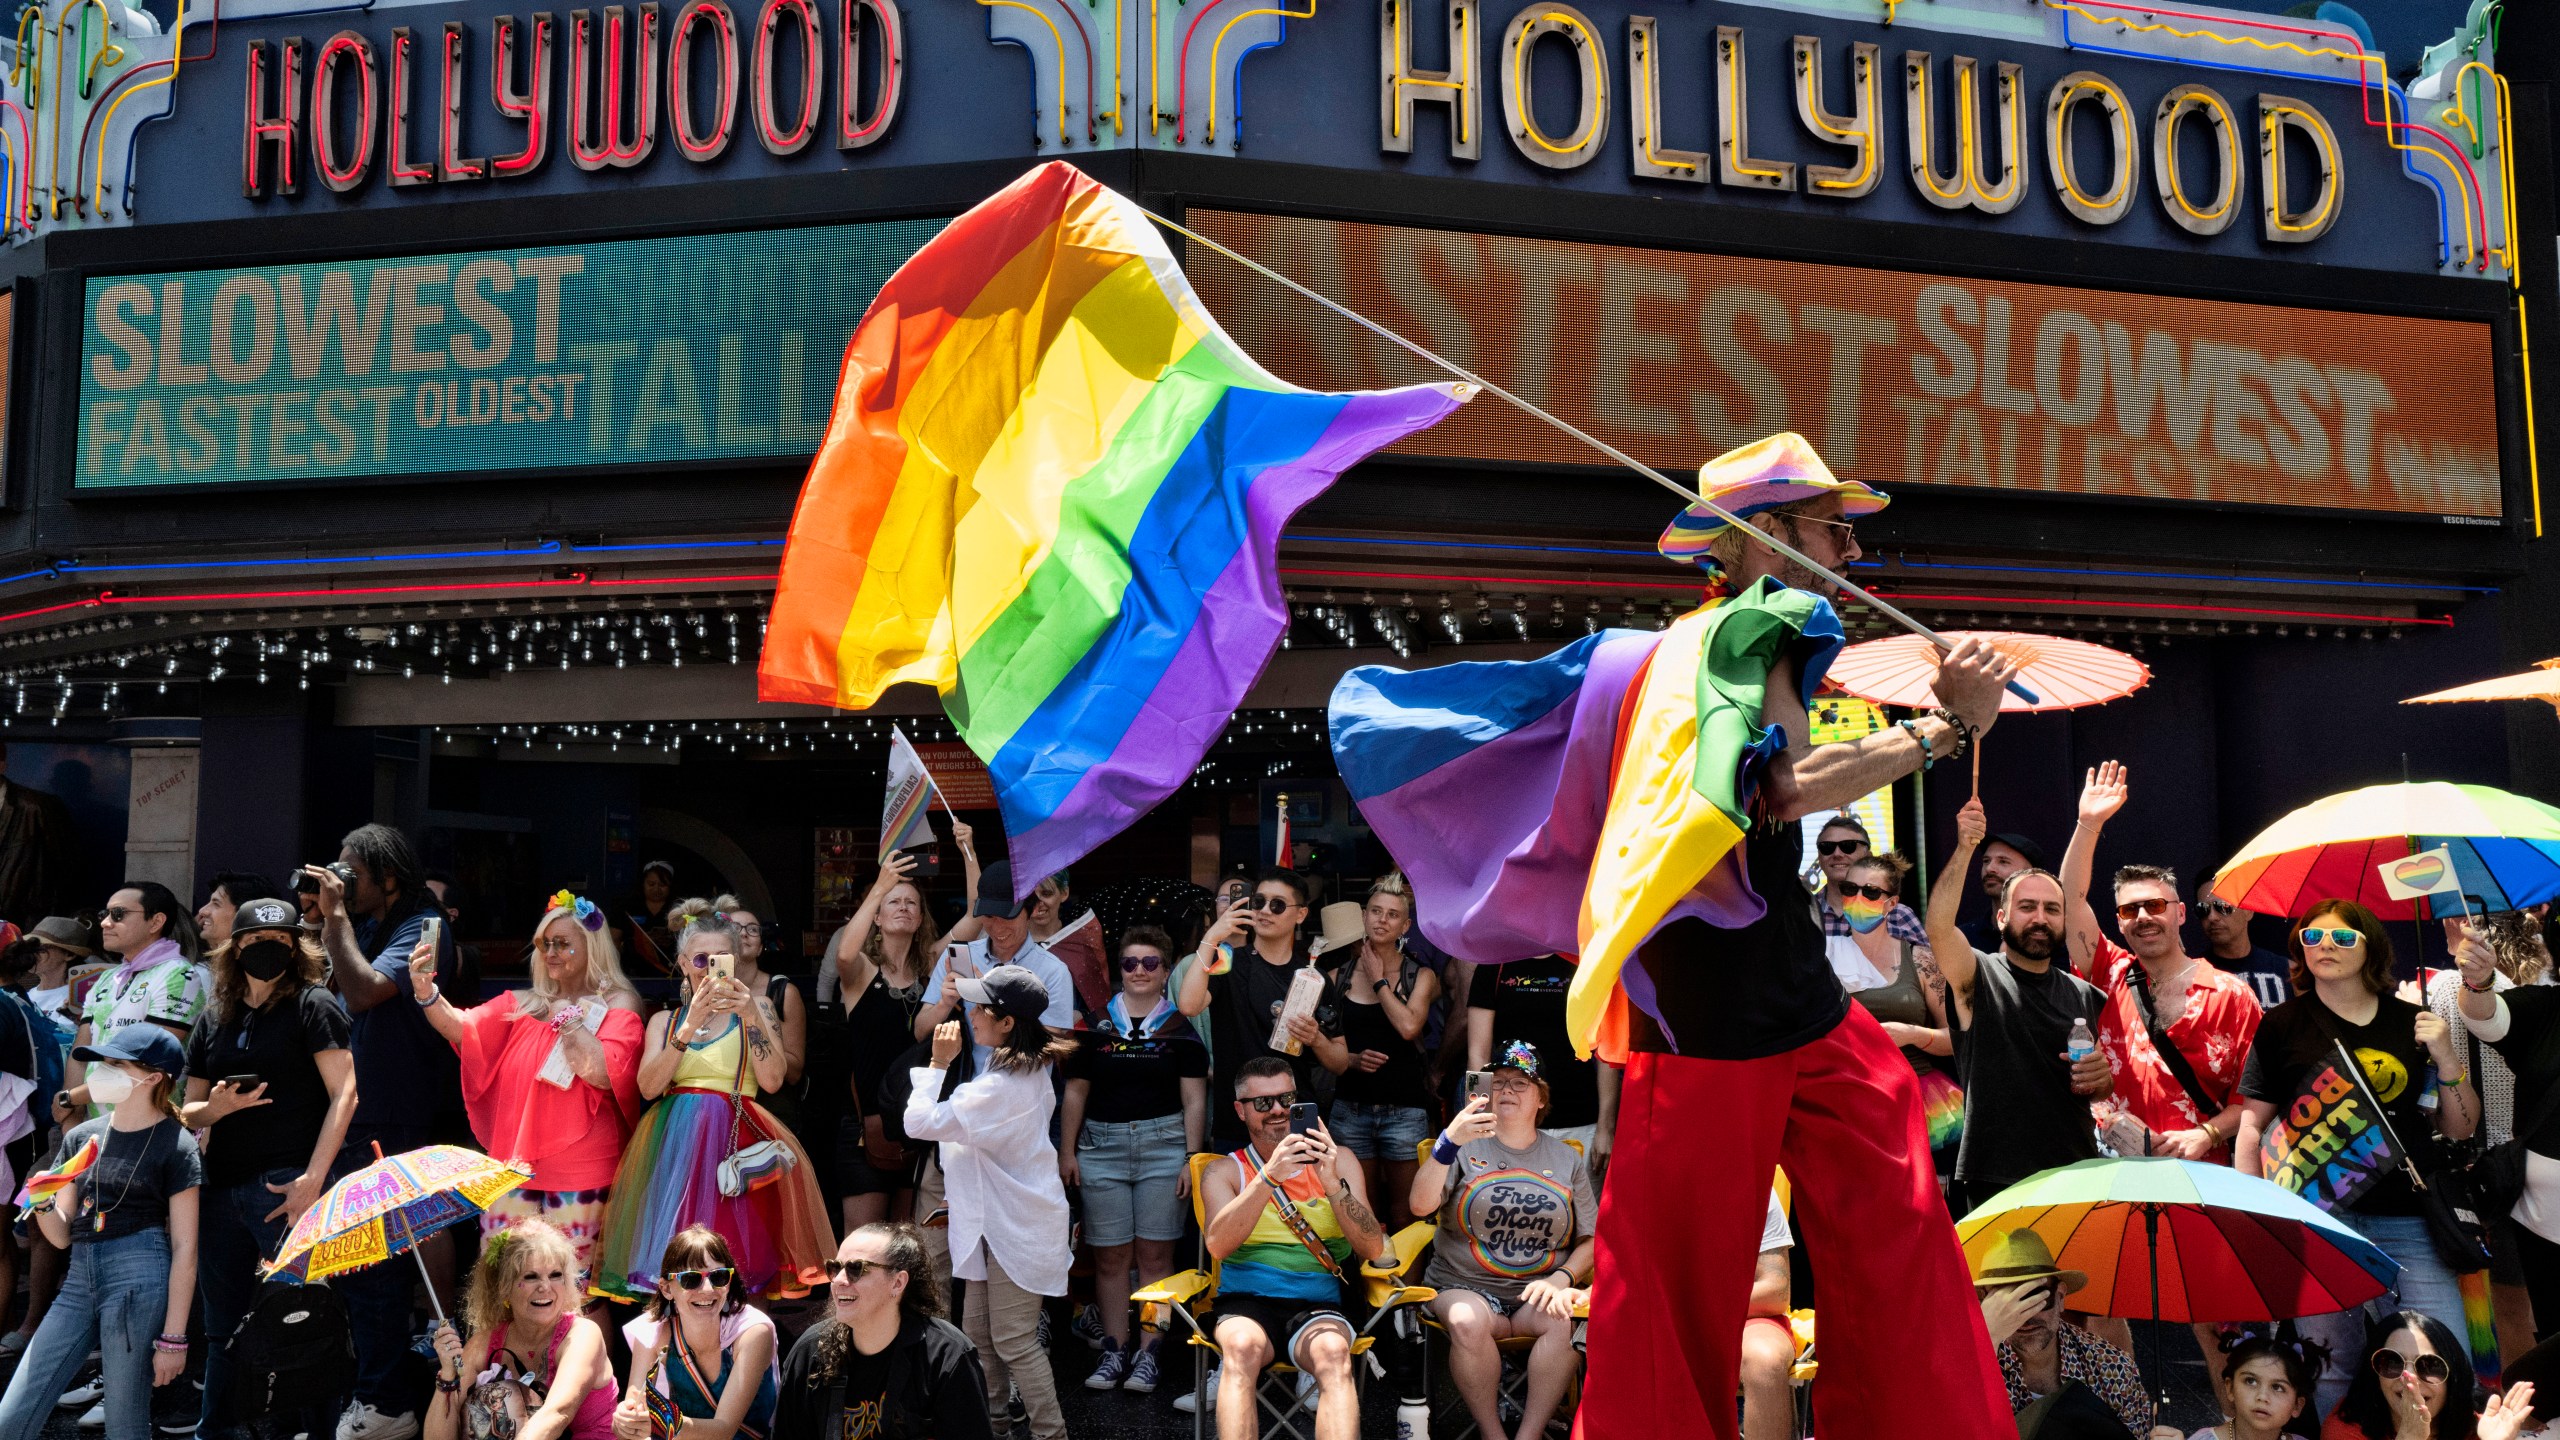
2539 683
2067 674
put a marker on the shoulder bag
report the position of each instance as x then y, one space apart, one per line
2170 1055
760 1164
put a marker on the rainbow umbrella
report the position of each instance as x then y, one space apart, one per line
389 1206
2505 851
2176 1240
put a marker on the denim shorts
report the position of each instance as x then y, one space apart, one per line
1131 1178
1379 1132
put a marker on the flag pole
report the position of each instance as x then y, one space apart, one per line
1763 537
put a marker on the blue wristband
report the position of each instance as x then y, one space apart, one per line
1446 1152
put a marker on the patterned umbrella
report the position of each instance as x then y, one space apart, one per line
2505 851
391 1205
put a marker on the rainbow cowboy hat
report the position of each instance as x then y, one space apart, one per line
1763 475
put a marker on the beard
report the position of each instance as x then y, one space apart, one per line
2033 941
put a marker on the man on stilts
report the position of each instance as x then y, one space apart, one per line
1663 778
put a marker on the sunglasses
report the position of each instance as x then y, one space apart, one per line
1276 904
2342 938
558 946
1845 527
852 1270
697 1279
1838 847
118 914
1265 1104
1872 892
1150 963
2134 909
2391 1364
2217 907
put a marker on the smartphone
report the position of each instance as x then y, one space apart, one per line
1302 1119
435 943
242 1082
724 966
1479 1083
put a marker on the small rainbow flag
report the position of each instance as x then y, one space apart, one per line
1053 489
910 784
45 1185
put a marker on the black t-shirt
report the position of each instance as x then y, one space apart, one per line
2296 1036
1245 1002
925 1386
2270 975
2020 1115
1527 1000
128 1189
1399 1082
1742 994
276 1045
1137 1077
2531 1048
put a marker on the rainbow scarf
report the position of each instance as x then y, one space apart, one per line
1053 489
45 1186
1581 802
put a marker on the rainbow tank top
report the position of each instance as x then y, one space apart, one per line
1272 1261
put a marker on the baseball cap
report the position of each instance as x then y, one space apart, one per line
1519 1055
995 892
269 914
1006 990
143 1044
2033 852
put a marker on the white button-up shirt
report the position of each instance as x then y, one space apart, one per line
1000 1173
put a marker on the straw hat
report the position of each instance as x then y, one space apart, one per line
2021 1256
1343 925
1761 476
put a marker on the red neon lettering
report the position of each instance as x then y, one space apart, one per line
697 146
342 176
812 62
893 77
403 171
451 166
591 115
531 104
280 128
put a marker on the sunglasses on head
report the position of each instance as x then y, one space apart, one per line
2132 909
1265 1104
1872 892
1838 847
2391 1364
852 1270
697 1279
1276 904
1142 962
2341 937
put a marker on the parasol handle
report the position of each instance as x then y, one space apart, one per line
1977 767
412 1237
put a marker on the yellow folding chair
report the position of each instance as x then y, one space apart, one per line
1191 1298
1515 1382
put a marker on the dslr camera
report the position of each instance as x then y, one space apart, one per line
303 884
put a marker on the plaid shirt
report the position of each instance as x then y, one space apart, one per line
2093 1362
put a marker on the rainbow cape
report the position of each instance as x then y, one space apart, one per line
1053 489
45 1185
1579 803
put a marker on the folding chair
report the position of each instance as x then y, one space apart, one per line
1515 1381
1192 1297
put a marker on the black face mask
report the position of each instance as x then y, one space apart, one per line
265 960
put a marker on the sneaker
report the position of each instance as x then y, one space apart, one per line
1087 1327
1142 1372
363 1422
95 1417
81 1397
1113 1369
1188 1402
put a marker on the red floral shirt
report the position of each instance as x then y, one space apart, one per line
2213 1031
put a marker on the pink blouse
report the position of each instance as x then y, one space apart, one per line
572 1138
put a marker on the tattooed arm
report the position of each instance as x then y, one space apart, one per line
764 1029
1351 1204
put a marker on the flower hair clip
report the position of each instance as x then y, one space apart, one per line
582 907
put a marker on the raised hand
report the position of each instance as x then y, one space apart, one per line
2102 794
1972 824
1970 679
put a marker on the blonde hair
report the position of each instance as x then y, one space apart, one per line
1393 883
604 967
488 1304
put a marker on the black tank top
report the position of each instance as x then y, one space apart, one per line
1742 994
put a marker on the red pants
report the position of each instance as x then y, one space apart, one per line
1900 1336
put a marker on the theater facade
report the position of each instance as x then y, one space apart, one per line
406 399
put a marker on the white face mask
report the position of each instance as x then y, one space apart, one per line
109 1085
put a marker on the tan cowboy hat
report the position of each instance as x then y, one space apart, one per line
2022 1256
1343 925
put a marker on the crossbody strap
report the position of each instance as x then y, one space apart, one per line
2170 1054
1297 1223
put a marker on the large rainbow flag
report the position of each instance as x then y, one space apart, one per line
1053 489
1579 803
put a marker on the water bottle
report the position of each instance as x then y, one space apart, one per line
1413 1421
2083 1044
